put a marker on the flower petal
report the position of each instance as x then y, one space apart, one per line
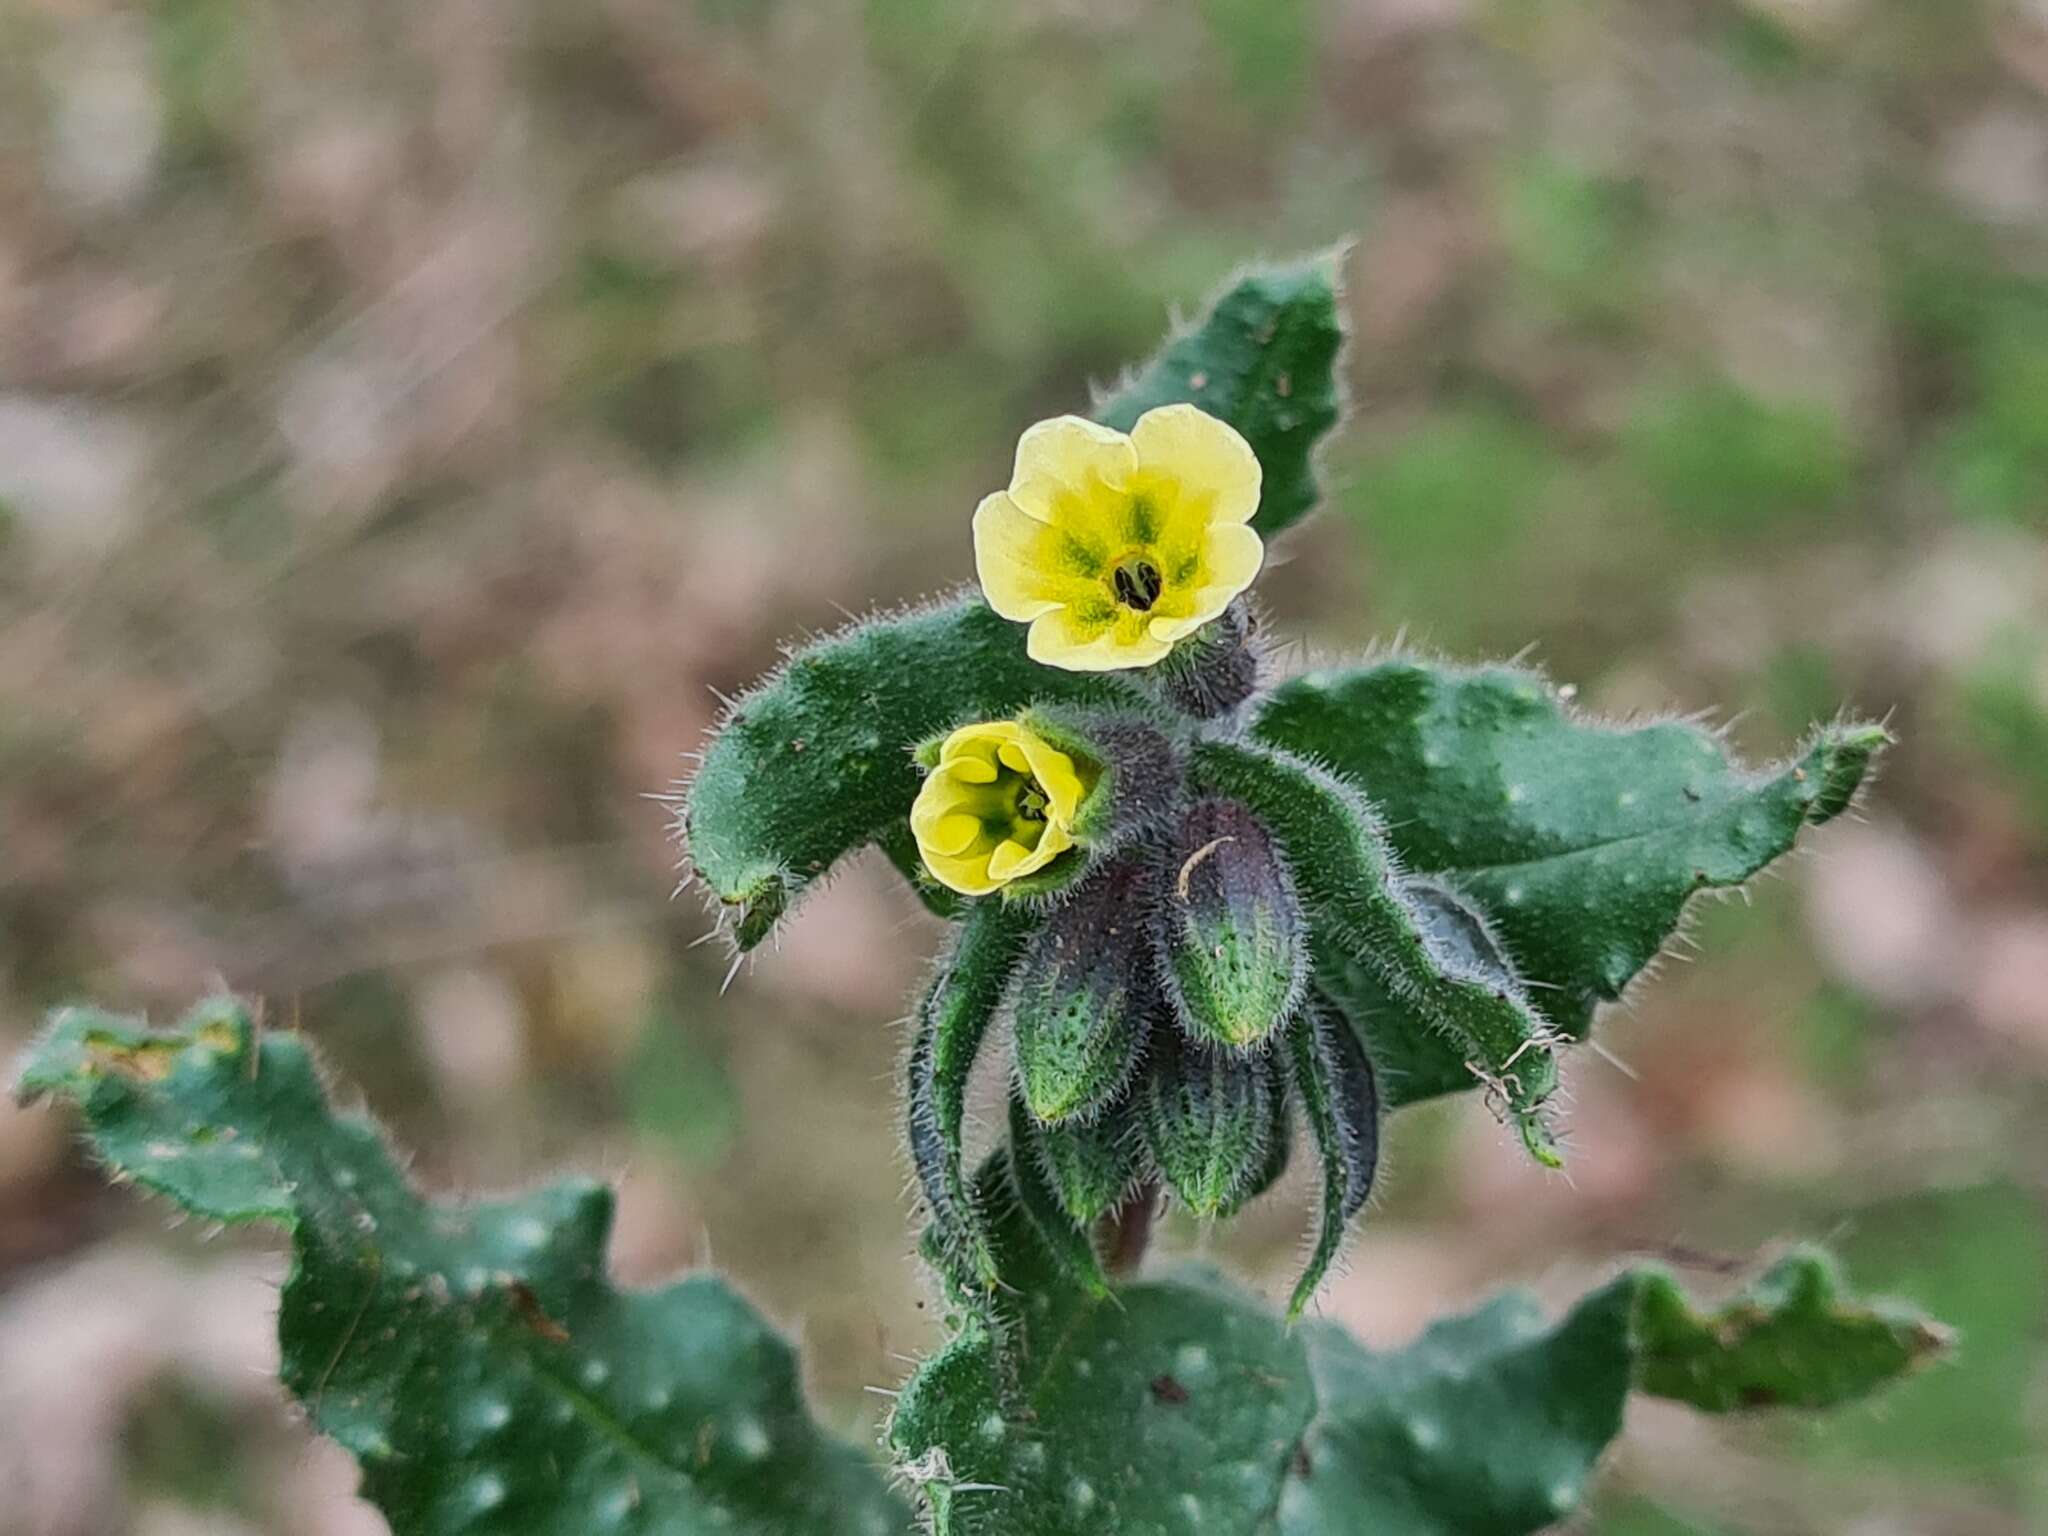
1212 462
1057 642
953 835
972 769
1230 560
1008 861
1066 465
1061 781
1011 560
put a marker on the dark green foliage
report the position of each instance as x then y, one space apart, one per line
1790 1339
1181 1405
952 1020
1084 998
1160 1408
1208 1119
1340 1099
1262 358
1488 1423
815 762
1580 842
1339 853
1233 945
471 1356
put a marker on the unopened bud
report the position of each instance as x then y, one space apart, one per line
1209 1120
1089 1165
1084 996
1234 948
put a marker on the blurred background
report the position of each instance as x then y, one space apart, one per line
410 410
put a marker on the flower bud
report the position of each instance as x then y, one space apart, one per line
1083 996
1233 946
1088 1165
1279 1140
1209 1120
1217 668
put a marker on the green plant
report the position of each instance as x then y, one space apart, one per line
1208 905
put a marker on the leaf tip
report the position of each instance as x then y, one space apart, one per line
1838 764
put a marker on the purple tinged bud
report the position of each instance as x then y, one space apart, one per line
1083 997
1233 943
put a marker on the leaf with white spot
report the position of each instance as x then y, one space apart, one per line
1580 844
1182 1405
471 1355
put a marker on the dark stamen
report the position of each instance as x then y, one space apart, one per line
1137 584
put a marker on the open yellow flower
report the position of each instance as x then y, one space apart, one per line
1000 803
1111 547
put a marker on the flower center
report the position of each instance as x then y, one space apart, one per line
1137 583
1031 802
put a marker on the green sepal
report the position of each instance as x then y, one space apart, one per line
1263 357
471 1355
1340 1101
952 1020
1582 842
1207 1115
1792 1338
1083 999
1337 848
1176 1405
816 762
1064 1193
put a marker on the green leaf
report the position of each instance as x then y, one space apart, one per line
1181 1405
1156 1408
470 1355
1263 358
1581 842
1790 1339
1339 852
816 761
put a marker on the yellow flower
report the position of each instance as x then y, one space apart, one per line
1000 803
1112 547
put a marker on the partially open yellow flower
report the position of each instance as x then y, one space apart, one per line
1000 803
1111 547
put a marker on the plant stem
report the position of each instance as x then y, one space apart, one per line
1124 1232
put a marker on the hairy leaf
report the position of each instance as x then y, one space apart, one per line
1349 878
1581 842
1792 1338
816 761
470 1355
1181 1405
1263 358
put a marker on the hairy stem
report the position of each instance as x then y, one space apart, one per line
1123 1234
